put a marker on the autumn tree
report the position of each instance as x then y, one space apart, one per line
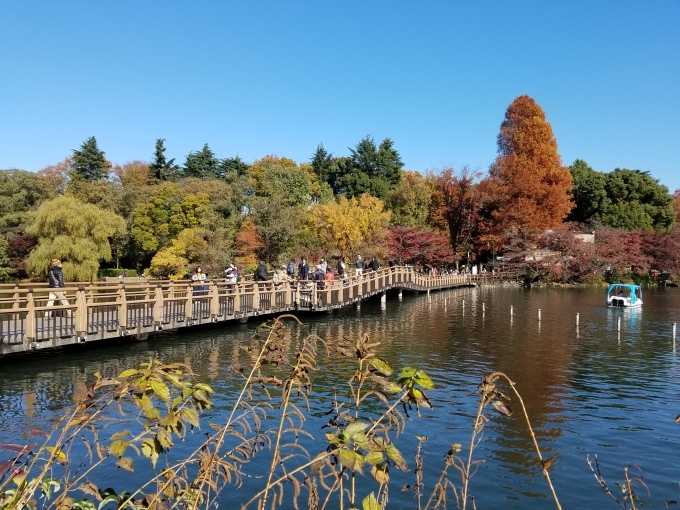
454 206
416 245
89 163
160 218
409 202
248 244
531 185
132 173
77 233
174 261
58 175
676 206
351 225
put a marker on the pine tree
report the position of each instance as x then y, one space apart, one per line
89 163
161 168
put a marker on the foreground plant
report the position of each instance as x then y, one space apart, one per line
157 405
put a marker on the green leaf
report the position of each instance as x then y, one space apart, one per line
150 450
160 389
396 457
120 435
370 503
117 448
381 366
380 473
423 380
351 460
128 373
374 457
204 387
190 416
407 373
355 427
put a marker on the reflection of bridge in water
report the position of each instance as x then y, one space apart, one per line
136 308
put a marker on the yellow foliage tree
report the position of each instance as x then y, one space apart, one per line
173 262
350 225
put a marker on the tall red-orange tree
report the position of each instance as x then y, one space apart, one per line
454 206
530 185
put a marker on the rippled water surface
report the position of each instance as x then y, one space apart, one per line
588 389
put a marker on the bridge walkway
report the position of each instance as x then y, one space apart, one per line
135 308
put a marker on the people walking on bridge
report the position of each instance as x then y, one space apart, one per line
200 289
375 265
303 269
55 278
290 269
361 265
261 273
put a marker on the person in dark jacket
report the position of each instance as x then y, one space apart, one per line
303 269
261 273
55 278
375 265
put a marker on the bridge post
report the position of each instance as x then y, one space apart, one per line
383 298
158 306
237 299
256 297
16 296
30 317
400 295
214 299
81 314
122 307
189 305
287 295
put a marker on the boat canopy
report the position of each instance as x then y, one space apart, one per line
630 286
629 289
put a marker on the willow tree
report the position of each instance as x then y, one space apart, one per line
530 183
77 233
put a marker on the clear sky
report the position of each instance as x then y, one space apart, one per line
252 78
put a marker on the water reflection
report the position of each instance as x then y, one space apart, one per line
587 389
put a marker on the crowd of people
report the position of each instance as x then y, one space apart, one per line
322 274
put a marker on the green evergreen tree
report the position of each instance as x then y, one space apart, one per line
161 168
201 164
231 169
89 163
322 163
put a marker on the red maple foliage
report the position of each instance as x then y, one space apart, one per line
416 246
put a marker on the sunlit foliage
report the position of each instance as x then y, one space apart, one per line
77 233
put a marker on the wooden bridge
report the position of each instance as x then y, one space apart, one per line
136 308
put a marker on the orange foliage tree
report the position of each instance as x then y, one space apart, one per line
529 185
248 244
135 173
454 206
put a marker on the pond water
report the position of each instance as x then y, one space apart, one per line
588 390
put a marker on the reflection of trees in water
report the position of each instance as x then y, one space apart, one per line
456 345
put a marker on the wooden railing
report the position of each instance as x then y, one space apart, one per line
101 310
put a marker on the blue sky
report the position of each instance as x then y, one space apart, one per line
280 77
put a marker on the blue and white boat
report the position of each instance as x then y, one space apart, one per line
624 295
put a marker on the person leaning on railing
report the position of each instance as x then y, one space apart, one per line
55 278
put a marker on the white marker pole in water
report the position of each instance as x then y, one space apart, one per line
577 319
511 313
618 324
539 315
674 324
